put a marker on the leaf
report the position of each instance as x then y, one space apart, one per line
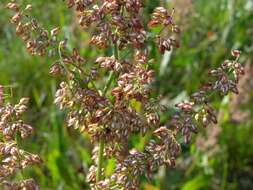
200 182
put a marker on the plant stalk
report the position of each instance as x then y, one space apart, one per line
101 140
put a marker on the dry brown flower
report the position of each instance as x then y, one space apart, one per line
14 159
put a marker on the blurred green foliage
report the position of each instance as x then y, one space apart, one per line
210 29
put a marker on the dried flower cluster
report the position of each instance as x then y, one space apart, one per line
238 114
108 114
198 111
14 159
38 40
161 17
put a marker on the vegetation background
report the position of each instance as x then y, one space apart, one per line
221 157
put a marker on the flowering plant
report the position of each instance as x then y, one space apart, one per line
99 98
12 157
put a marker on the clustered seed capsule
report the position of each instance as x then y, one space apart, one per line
109 22
199 112
161 17
228 75
14 158
37 39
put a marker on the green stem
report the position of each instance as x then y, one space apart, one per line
101 140
100 159
108 83
17 140
115 51
61 61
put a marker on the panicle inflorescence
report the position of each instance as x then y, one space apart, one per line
37 39
107 114
161 17
198 111
14 159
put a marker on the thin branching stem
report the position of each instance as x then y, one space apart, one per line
101 141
